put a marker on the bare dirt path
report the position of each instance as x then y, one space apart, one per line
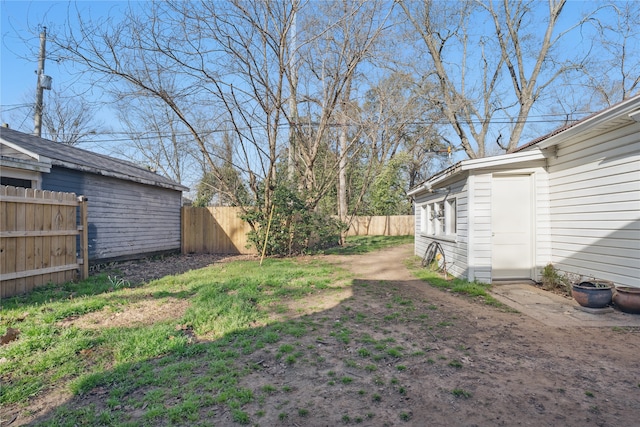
392 350
468 364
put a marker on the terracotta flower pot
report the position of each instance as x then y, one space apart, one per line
594 294
627 299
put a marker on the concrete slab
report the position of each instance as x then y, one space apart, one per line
555 310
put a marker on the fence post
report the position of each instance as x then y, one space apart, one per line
183 229
84 236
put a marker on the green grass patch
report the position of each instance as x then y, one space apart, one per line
458 392
177 368
455 364
365 244
225 301
404 416
475 290
303 412
364 352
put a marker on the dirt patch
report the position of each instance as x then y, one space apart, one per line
145 270
141 313
394 351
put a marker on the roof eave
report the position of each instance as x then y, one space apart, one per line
113 174
37 157
31 165
504 159
473 164
427 185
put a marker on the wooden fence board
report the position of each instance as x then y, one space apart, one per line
70 249
214 230
397 225
9 245
29 240
46 244
38 234
38 238
20 243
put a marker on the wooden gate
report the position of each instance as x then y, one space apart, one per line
38 233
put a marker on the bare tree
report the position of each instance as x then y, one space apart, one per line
401 132
69 119
213 66
494 73
330 60
157 138
614 72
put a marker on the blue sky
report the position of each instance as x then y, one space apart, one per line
19 27
18 62
21 23
20 44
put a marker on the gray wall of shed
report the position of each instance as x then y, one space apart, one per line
127 220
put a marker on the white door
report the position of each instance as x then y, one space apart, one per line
511 226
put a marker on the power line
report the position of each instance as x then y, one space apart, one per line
27 116
123 136
11 107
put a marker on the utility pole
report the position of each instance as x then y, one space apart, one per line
43 82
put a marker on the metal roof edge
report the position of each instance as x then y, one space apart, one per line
503 159
472 164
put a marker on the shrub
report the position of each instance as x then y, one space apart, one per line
295 228
552 280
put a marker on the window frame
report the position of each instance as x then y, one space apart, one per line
451 217
439 218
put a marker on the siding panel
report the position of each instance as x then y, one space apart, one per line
455 247
480 229
595 203
126 219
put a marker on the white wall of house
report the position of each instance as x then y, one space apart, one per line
481 214
542 220
469 252
595 206
584 186
455 245
480 227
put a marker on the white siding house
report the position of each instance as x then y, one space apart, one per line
571 198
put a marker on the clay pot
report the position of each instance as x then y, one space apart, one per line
627 299
594 294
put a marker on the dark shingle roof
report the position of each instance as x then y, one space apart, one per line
76 158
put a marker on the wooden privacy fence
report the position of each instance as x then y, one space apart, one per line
214 230
218 230
396 225
38 232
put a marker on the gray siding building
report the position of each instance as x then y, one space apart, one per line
133 212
